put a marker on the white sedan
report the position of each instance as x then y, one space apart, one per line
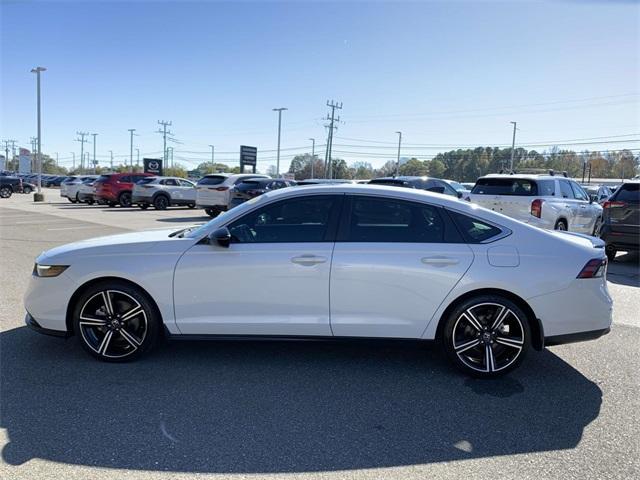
332 261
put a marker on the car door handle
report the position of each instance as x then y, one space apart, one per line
439 261
308 260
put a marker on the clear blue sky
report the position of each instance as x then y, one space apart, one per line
445 73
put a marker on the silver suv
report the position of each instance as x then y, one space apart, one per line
163 192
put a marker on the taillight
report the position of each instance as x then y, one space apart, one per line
609 204
222 189
536 207
594 268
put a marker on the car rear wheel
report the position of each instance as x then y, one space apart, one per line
27 190
192 205
5 192
561 225
161 202
611 252
90 201
115 321
486 336
143 206
212 212
124 199
71 200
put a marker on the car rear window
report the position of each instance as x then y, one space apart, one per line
212 180
628 192
473 229
505 186
103 178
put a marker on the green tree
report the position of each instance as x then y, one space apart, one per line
436 168
414 167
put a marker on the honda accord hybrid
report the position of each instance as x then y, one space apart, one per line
327 261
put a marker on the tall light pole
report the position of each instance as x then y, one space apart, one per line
213 149
94 152
111 154
131 130
399 145
313 154
513 146
57 160
38 197
279 110
138 157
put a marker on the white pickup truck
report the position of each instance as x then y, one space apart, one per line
546 201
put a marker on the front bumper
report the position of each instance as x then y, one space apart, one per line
35 326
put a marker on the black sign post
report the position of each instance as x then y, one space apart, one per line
153 165
248 156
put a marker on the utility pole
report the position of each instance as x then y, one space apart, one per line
164 133
74 160
111 154
94 152
81 140
213 149
57 163
279 110
138 157
313 154
398 161
332 119
513 147
39 197
6 150
131 130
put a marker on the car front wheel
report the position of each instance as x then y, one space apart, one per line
161 202
486 336
115 321
212 212
26 190
5 192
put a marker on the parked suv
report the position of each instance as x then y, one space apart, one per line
69 187
621 219
9 186
162 192
254 187
212 191
421 183
546 201
87 191
116 188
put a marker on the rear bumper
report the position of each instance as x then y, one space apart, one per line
575 337
620 240
106 196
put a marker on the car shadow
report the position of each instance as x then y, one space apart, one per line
625 270
279 407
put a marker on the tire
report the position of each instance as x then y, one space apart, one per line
115 332
610 251
212 212
112 204
561 225
5 192
161 202
597 227
77 198
90 202
71 200
27 190
191 205
143 206
478 346
125 199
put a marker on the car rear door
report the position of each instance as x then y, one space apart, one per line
394 262
273 279
188 190
571 206
588 212
173 189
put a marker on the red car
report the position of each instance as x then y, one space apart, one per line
116 188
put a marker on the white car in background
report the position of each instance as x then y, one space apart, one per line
163 192
212 191
547 201
332 261
69 188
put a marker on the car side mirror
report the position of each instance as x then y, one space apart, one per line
459 194
222 236
593 198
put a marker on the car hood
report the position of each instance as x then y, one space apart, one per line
122 244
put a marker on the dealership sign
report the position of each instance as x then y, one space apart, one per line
153 165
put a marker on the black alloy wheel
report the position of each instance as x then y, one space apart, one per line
125 199
161 202
487 336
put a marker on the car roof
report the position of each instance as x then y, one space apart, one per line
406 178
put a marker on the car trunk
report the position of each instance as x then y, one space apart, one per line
622 210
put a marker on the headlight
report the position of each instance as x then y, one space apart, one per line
48 270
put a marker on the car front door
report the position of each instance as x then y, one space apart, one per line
394 262
273 278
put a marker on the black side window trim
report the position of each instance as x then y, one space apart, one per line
504 231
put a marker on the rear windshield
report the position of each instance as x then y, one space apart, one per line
505 186
628 192
212 180
103 178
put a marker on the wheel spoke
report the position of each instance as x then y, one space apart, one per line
96 322
102 349
466 346
472 320
134 342
131 313
510 342
106 298
489 359
500 318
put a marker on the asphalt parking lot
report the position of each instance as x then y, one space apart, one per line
299 410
